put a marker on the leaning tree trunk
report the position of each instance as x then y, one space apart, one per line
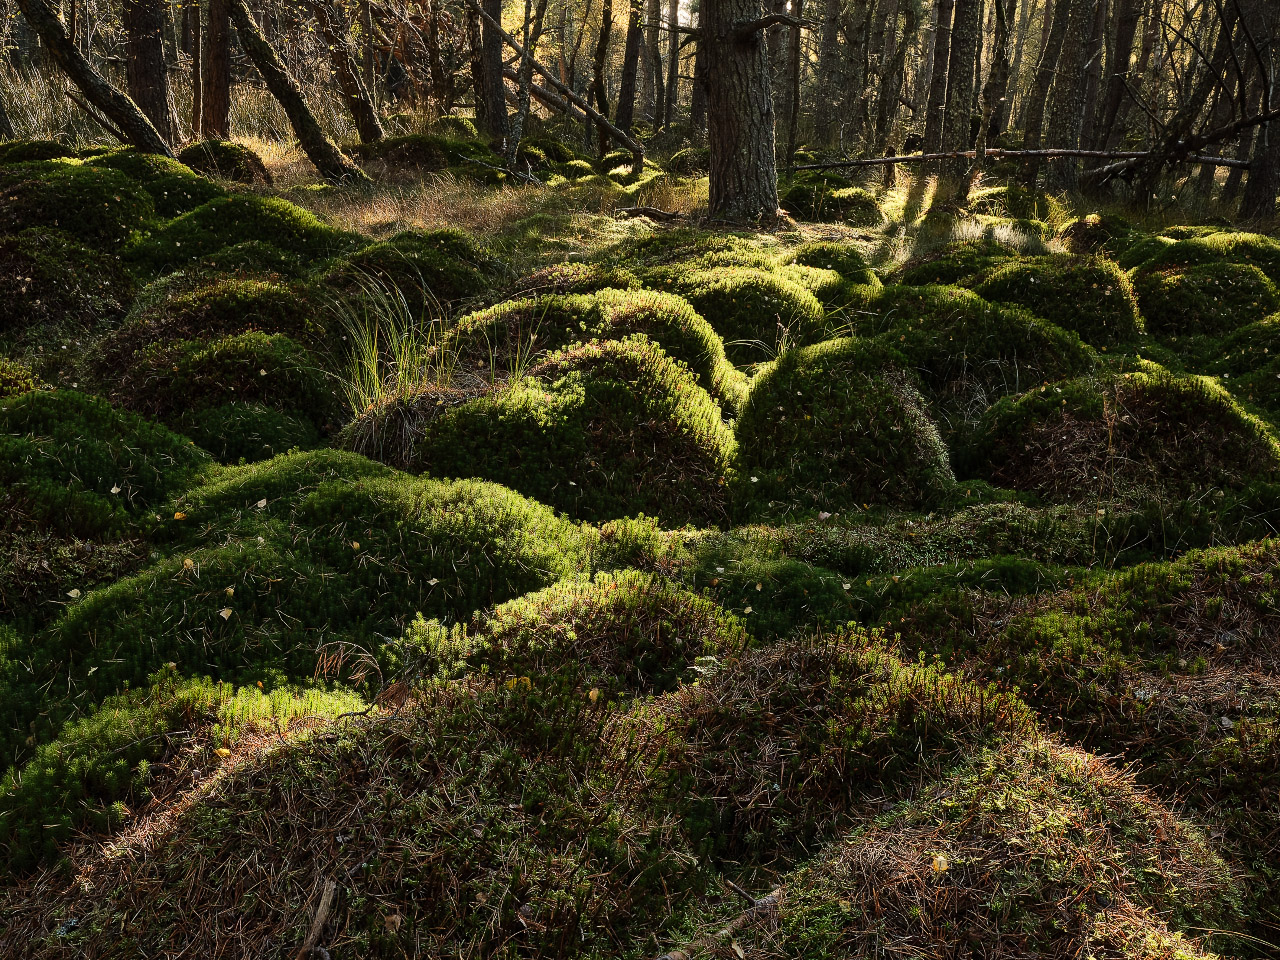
936 111
320 150
740 129
115 105
495 102
966 36
997 85
626 111
146 73
1260 191
215 111
794 53
335 33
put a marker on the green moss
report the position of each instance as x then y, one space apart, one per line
955 263
428 152
227 160
102 208
174 188
834 426
575 170
1248 360
752 310
230 220
816 200
575 278
76 465
1209 300
846 259
16 378
1123 437
1015 202
689 161
1091 297
507 337
683 244
1226 247
254 257
247 431
430 270
30 151
1095 234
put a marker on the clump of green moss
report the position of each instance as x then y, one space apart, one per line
684 245
1218 247
502 340
459 128
1209 300
174 188
100 207
1095 234
51 283
227 160
575 278
837 425
1248 360
429 152
689 161
600 430
955 262
846 259
753 310
1116 438
816 200
1015 202
229 220
429 269
16 378
248 431
76 465
31 151
1090 296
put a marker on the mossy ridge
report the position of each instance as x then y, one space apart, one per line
816 200
1206 301
99 207
229 220
75 465
434 153
173 186
997 856
600 430
573 277
1100 233
954 263
1248 361
1120 438
754 311
621 634
227 160
504 339
683 244
248 432
430 269
835 426
1217 247
32 151
1090 296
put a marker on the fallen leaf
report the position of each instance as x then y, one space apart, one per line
74 593
225 613
223 752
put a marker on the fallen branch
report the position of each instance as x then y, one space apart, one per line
317 925
545 97
762 907
96 117
1131 157
653 213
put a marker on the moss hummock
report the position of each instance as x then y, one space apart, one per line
227 160
1209 300
99 207
174 188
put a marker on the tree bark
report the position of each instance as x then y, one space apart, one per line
1126 18
335 33
1262 20
830 65
599 87
892 94
1038 98
966 32
6 125
1066 114
626 109
475 41
744 180
698 96
146 73
936 111
652 61
320 150
793 87
115 105
673 62
995 90
495 109
534 18
197 93
215 109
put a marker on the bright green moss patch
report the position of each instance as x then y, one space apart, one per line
1091 297
1097 234
429 270
600 430
30 151
955 262
846 259
754 311
1113 439
817 201
1250 249
505 339
16 378
1209 300
232 219
100 207
227 160
429 152
834 426
174 188
575 278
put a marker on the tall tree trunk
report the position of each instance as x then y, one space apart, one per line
1066 113
1126 19
1015 65
146 72
215 86
1262 19
599 87
966 35
924 70
886 96
626 111
744 178
320 150
115 105
475 41
197 92
1094 55
6 125
698 96
534 18
936 111
1038 98
793 85
830 64
673 62
997 85
336 33
651 61
894 78
495 103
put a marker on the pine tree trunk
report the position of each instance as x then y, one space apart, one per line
698 97
6 125
1126 18
793 84
966 35
652 60
626 112
320 150
335 33
599 87
1262 19
673 62
1066 111
475 40
1038 98
495 102
829 70
744 179
894 78
115 105
146 72
936 111
1094 55
997 85
215 85
197 92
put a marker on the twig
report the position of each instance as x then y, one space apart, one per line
762 907
317 925
653 213
96 117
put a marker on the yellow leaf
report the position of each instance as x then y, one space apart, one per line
179 515
355 544
940 863
225 613
594 695
223 752
188 564
74 593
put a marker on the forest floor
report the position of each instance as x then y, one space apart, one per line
457 567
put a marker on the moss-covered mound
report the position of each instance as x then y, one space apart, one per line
75 464
600 430
954 262
30 151
1242 248
1097 234
686 245
1249 363
993 858
574 278
503 340
1090 296
846 259
247 431
689 161
100 207
1014 202
754 311
52 283
835 426
816 200
1112 439
174 188
227 160
1212 300
620 633
428 270
233 219
430 152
